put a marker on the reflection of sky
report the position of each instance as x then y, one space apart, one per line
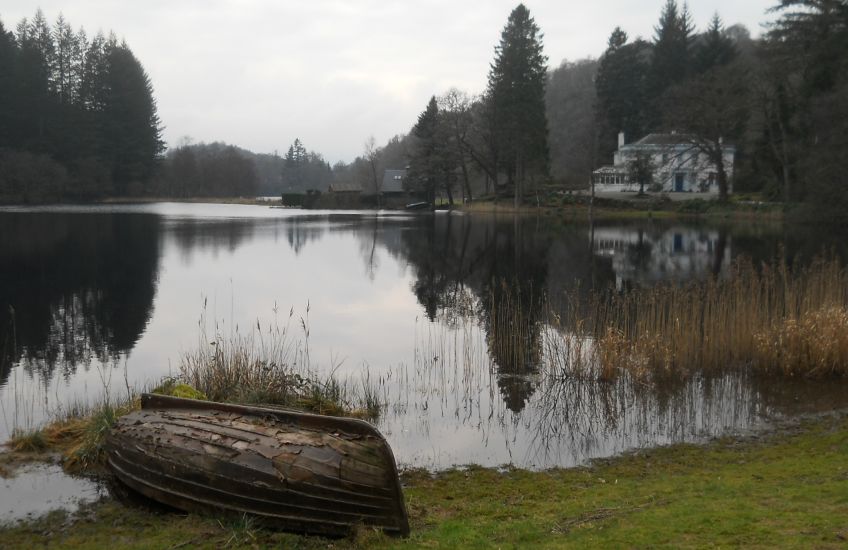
354 319
358 279
40 488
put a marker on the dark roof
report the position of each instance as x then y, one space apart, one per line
670 140
393 181
345 187
664 139
618 169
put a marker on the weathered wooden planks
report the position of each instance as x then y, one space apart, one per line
292 470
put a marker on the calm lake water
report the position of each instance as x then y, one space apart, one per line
110 296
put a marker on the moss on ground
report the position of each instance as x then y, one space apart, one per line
789 489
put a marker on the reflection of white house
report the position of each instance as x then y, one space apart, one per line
677 165
678 254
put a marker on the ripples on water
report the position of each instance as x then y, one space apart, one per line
98 292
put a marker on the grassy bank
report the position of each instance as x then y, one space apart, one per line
651 207
787 489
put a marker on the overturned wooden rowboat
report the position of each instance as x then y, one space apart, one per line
291 470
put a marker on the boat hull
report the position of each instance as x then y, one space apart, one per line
290 470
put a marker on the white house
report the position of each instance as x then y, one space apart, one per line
677 163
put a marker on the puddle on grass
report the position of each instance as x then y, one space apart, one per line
37 489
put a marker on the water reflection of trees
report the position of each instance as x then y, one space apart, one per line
497 274
80 287
193 235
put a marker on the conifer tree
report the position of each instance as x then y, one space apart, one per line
8 85
716 49
424 162
517 91
132 141
621 89
671 61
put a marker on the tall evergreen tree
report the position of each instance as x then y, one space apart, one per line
671 62
424 162
621 87
813 35
65 40
8 86
133 140
68 105
517 90
807 46
716 48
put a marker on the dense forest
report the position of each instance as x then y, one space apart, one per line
77 115
781 99
78 119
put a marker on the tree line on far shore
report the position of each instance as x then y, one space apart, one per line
78 119
77 115
782 100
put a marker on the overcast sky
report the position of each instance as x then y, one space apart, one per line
259 73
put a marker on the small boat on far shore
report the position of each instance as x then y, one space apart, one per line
291 470
418 205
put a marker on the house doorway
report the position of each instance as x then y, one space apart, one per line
678 182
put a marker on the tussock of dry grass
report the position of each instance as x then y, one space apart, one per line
78 437
272 367
815 344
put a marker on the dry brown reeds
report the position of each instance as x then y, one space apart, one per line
78 437
774 319
271 366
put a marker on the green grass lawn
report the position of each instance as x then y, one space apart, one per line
789 489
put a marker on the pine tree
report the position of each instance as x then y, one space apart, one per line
716 49
813 36
132 138
8 86
621 88
671 62
424 163
41 40
65 41
517 91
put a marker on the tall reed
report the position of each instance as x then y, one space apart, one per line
791 320
271 366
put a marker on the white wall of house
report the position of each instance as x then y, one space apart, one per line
677 168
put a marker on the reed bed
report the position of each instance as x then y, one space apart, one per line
772 319
775 319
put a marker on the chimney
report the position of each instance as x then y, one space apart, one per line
620 140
